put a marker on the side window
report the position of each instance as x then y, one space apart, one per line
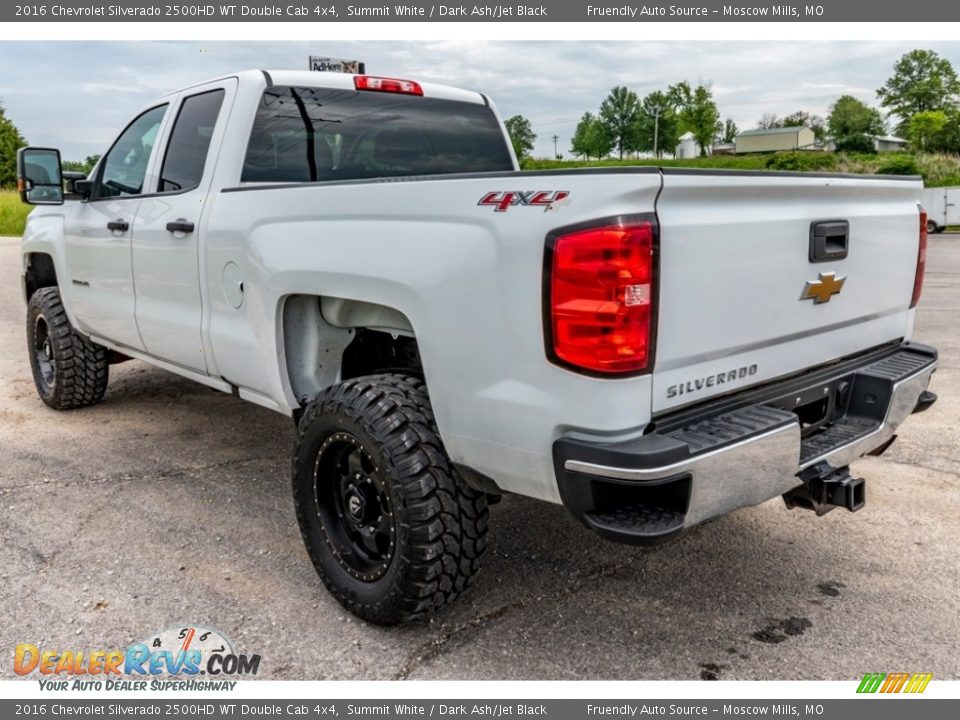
187 150
125 165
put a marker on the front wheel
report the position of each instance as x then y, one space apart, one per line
391 530
69 370
931 227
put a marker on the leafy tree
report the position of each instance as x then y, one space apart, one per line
85 167
521 136
949 139
802 118
702 118
658 123
619 111
768 121
922 81
729 131
10 141
680 95
590 139
925 128
580 144
852 125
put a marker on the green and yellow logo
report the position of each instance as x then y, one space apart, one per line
894 682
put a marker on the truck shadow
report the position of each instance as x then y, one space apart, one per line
720 591
557 600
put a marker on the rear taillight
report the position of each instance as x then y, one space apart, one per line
390 85
600 298
921 260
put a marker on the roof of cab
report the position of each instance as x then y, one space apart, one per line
310 78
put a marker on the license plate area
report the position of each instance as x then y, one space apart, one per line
816 406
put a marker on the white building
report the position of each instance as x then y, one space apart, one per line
774 139
687 147
889 143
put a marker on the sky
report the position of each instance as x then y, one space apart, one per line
76 96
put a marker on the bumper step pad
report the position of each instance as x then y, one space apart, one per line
872 388
643 524
897 366
735 426
842 432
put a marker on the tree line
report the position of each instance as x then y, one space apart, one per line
920 102
625 124
12 140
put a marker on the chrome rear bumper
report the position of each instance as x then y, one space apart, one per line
740 451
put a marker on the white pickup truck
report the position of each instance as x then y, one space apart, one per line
650 347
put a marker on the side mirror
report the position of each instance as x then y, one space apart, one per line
39 178
83 189
73 187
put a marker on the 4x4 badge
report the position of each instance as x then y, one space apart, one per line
824 288
547 199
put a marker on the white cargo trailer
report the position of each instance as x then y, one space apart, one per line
943 207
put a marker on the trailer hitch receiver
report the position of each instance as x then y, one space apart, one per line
825 488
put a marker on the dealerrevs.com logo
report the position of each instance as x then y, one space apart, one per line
182 658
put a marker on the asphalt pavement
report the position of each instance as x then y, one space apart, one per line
170 504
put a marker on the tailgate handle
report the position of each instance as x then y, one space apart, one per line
829 240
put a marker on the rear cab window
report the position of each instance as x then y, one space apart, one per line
305 134
189 142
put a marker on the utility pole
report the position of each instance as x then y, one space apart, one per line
656 110
555 153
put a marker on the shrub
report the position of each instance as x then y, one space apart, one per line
802 161
899 165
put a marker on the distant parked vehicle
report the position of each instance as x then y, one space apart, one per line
943 207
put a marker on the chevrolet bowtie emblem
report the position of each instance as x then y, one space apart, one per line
821 290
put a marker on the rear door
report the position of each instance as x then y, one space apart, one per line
168 230
953 206
745 297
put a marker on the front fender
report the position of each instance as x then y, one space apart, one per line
44 235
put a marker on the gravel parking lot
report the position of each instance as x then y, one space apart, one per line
170 504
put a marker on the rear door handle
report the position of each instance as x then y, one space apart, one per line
118 225
829 240
180 225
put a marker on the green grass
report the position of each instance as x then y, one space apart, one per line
938 170
13 213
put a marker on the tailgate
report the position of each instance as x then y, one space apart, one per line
743 301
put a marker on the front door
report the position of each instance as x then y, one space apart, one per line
98 235
166 239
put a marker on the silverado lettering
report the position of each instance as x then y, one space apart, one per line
711 380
